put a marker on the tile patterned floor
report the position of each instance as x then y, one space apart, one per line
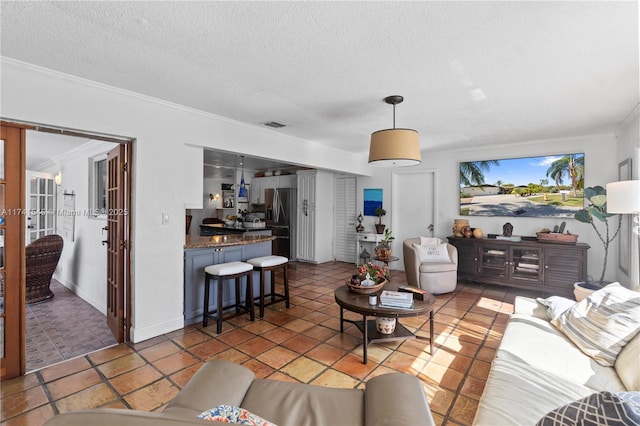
299 344
63 328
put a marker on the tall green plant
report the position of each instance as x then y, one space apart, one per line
597 208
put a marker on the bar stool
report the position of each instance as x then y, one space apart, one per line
221 272
270 264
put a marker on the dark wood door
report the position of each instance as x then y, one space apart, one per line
116 243
12 273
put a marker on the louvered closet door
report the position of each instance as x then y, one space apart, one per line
345 219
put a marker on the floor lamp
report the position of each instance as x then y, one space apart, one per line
624 197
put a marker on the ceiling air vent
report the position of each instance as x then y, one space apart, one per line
274 124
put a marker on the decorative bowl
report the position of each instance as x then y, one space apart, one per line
553 237
361 289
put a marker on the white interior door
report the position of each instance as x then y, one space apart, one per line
345 219
414 194
41 205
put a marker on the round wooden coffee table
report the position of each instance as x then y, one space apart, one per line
359 303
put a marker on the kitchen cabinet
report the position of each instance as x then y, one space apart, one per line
287 181
315 216
256 195
259 184
545 267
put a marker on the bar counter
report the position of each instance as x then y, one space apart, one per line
217 241
200 252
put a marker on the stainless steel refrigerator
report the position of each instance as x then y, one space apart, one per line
280 216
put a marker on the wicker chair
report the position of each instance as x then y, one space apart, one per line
42 257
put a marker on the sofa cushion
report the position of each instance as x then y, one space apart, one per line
237 415
204 391
534 342
602 409
627 365
603 323
299 404
396 399
516 394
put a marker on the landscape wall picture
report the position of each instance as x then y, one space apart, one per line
546 186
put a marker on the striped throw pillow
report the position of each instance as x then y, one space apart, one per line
603 323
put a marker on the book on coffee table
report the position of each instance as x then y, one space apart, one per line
396 299
418 293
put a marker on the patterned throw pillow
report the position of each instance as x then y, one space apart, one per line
601 409
230 414
603 323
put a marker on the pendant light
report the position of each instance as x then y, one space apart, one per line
243 190
394 147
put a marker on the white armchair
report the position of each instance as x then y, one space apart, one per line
430 267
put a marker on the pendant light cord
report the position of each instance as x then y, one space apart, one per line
394 116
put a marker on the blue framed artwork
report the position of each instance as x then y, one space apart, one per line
372 200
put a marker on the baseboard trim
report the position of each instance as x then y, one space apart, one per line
139 334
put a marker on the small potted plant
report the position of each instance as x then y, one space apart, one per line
383 250
376 273
379 212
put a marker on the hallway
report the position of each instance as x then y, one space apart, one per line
63 328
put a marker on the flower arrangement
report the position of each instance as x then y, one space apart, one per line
375 272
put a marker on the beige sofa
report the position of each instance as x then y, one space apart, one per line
437 277
388 399
537 369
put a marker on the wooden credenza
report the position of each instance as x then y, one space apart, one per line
545 267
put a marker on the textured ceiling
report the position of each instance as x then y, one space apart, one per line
481 73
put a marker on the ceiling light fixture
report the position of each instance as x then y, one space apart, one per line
394 147
243 190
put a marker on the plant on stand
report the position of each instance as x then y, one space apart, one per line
597 208
383 250
380 226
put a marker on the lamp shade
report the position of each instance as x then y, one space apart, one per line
623 197
394 147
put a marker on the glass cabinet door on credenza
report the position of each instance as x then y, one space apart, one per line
525 264
517 264
493 261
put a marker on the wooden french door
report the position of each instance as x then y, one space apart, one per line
117 245
12 208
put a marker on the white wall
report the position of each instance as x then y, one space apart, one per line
83 264
600 168
629 147
161 131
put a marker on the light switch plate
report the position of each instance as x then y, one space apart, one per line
165 218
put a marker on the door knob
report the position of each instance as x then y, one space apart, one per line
105 242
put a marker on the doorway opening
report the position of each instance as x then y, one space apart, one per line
77 185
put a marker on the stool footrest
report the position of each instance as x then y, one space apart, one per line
278 298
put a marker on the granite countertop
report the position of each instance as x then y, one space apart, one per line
232 229
192 242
